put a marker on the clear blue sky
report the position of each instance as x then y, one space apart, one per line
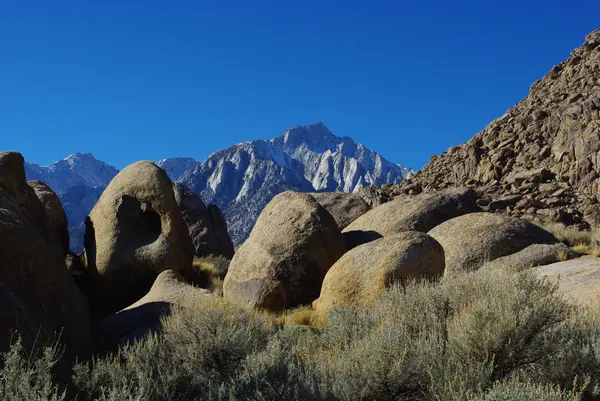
131 80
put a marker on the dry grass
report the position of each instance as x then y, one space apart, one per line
210 272
302 315
580 242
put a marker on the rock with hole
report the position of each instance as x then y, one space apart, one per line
134 232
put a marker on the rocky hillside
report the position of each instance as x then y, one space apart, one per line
541 159
242 179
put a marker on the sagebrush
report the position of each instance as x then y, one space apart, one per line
488 335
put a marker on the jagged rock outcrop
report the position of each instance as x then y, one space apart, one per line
207 226
38 297
365 272
471 240
540 160
134 232
282 264
57 219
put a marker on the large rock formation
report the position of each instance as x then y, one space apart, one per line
282 264
207 226
38 297
57 219
471 240
134 232
540 159
363 273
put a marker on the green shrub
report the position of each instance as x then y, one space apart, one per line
489 335
24 379
199 349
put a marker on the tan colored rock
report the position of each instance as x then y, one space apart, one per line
57 219
344 207
533 256
134 232
170 290
419 212
365 272
282 264
38 297
207 226
578 279
474 239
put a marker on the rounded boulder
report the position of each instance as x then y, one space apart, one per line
290 249
472 240
414 213
134 232
365 272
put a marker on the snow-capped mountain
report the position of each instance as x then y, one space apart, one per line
78 180
241 180
79 168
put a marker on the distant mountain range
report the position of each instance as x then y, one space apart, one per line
241 179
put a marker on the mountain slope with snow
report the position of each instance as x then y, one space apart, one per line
78 180
242 179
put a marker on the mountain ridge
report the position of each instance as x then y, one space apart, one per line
240 179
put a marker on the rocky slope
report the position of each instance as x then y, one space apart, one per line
240 180
540 160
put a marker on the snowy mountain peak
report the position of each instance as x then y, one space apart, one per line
243 178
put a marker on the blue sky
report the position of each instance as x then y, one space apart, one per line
131 80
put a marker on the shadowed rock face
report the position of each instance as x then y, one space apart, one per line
169 290
207 226
293 244
545 149
57 219
38 298
134 232
345 208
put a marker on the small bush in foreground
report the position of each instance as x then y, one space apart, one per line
23 379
